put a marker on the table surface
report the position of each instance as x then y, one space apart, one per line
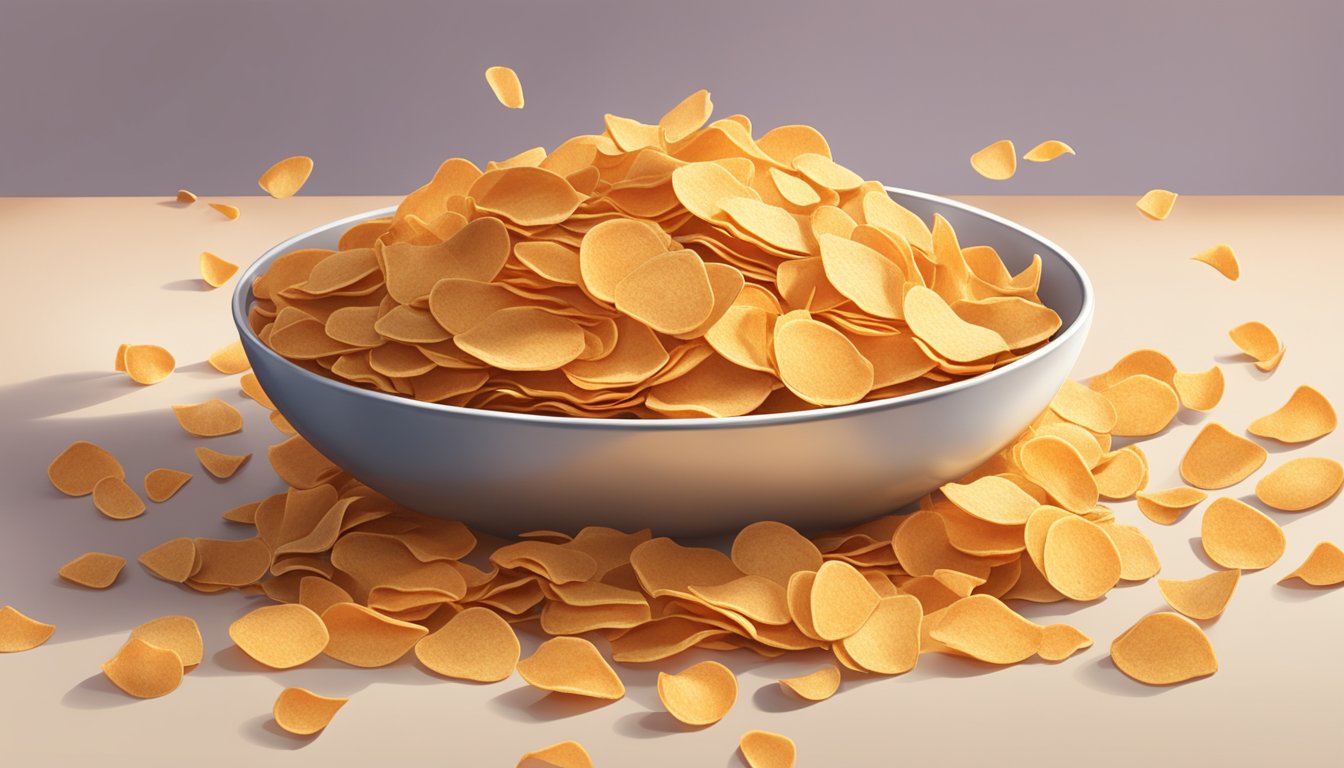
88 274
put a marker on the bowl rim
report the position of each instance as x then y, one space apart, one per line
242 297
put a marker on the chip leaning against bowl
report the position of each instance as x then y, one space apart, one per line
669 270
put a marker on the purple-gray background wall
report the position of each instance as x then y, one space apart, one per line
124 97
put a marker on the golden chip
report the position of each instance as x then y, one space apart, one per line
982 627
229 212
230 358
1306 416
1084 407
564 754
286 177
20 633
1221 258
179 634
1257 340
1236 535
96 570
1217 458
1143 405
230 563
1047 151
209 419
888 642
161 484
763 749
79 468
1164 649
476 645
1300 484
571 665
993 499
280 636
172 560
935 323
216 271
1060 641
998 161
363 637
774 551
842 600
1057 467
143 670
1203 598
1081 561
303 713
252 388
1156 204
814 686
221 465
506 86
148 364
1138 557
701 694
186 196
1324 567
1200 391
1165 507
117 500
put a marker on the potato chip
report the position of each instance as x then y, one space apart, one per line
221 465
815 686
669 292
229 562
117 500
998 161
687 117
934 322
1300 484
774 551
1324 567
1203 598
993 499
172 560
230 358
280 636
179 634
1081 561
523 339
363 637
1060 641
819 365
842 600
229 212
1236 535
1164 649
1165 507
888 642
526 196
1200 391
319 594
20 633
1019 321
1221 258
1058 468
1047 151
571 665
982 627
825 172
1306 416
1143 405
564 754
1156 204
286 177
303 713
214 270
161 484
252 388
79 468
504 82
763 749
863 275
1257 340
701 694
1217 458
148 364
476 645
186 196
96 570
1138 557
143 670
209 419
1084 407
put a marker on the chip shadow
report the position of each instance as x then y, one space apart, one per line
96 692
262 730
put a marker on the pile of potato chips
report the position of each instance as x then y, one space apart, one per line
669 270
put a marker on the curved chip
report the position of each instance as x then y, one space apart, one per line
763 749
888 642
229 358
842 600
1260 342
117 500
982 627
523 339
932 320
774 551
571 665
825 172
1221 258
179 634
1324 567
814 686
1203 598
564 754
172 560
143 670
1138 557
161 484
1306 416
1200 391
1084 407
229 212
525 195
997 162
1081 561
1165 507
186 196
1236 535
209 419
819 364
669 292
1060 641
95 570
1143 405
1156 204
1300 484
302 712
1217 458
701 694
862 275
148 363
1164 649
1048 150
1057 467
281 636
476 644
20 633
363 637
221 465
79 468
286 177
214 270
229 562
506 86
993 499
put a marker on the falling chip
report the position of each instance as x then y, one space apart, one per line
1217 458
1260 342
701 694
504 82
1236 535
982 627
78 468
1203 598
216 271
143 670
571 665
117 500
1306 416
286 177
363 637
280 636
1324 567
1165 507
95 570
1060 641
221 465
209 419
161 484
229 212
564 754
172 560
998 161
814 686
179 634
1047 151
1221 258
230 358
303 713
1200 391
1300 484
476 644
763 749
148 363
1156 204
20 633
1164 649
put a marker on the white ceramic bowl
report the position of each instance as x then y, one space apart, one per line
507 473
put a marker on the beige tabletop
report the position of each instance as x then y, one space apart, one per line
84 275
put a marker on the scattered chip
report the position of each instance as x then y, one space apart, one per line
1324 567
564 754
209 419
1260 342
147 363
701 694
221 465
216 271
143 670
174 560
229 212
79 468
1060 641
763 749
280 636
230 358
1048 150
1237 535
506 86
1164 649
1156 204
1200 391
303 713
814 686
363 637
571 665
1165 507
95 570
1306 416
161 484
982 627
179 634
1203 598
1217 458
476 645
117 500
186 196
20 633
998 161
1221 258
1300 484
286 177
